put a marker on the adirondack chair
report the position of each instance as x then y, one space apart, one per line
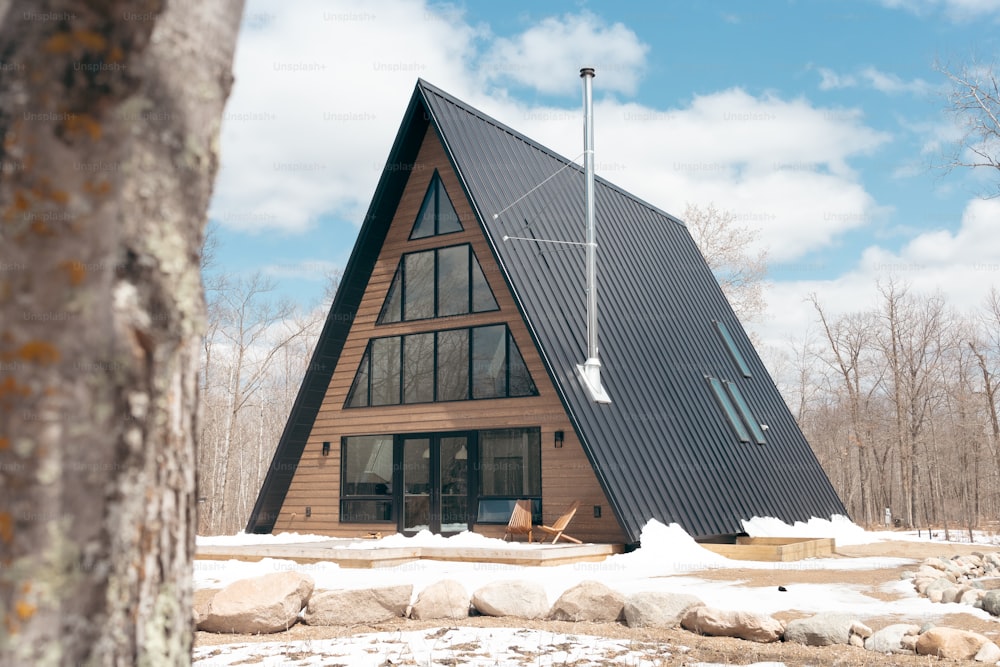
559 525
520 520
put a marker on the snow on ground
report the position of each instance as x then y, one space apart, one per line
668 560
444 646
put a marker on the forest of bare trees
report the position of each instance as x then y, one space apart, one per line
254 355
899 403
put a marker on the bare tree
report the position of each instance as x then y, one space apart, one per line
728 249
850 338
974 103
110 112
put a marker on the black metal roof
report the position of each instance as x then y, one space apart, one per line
663 448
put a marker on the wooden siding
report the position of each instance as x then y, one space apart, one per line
566 473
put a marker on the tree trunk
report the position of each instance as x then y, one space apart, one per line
110 112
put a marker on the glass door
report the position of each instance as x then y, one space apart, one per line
416 484
454 466
435 483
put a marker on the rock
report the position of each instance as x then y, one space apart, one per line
820 630
936 590
972 596
909 643
651 609
725 623
524 599
989 653
444 599
856 640
907 574
588 601
988 583
933 562
991 602
861 630
361 606
951 594
269 603
950 643
890 638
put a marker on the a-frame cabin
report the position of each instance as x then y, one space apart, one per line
443 386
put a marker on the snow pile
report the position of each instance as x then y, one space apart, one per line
665 550
425 538
839 527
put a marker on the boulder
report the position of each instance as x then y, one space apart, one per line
989 653
654 609
362 606
524 599
890 638
269 603
987 583
444 599
822 629
936 590
955 593
972 596
588 601
991 602
950 643
724 623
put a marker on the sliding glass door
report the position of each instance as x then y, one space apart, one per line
435 483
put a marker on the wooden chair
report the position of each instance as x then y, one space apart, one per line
520 520
559 525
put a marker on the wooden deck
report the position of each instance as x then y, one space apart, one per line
351 553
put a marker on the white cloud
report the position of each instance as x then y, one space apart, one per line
956 10
548 55
320 90
890 83
320 94
962 265
317 270
780 165
830 80
874 78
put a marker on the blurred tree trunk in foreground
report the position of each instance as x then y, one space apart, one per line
109 116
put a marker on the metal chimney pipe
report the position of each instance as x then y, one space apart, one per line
591 369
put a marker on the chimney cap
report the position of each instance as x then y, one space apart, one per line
587 71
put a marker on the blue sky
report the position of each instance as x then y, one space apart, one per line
817 123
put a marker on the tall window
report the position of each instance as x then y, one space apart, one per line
437 215
366 479
437 283
451 365
510 468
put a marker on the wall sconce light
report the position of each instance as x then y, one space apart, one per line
326 448
560 436
309 510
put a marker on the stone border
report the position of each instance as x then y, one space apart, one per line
587 601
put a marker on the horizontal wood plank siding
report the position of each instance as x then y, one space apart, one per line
566 473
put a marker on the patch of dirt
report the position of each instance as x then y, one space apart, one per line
706 649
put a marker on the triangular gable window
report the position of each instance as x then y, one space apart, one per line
437 216
442 282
